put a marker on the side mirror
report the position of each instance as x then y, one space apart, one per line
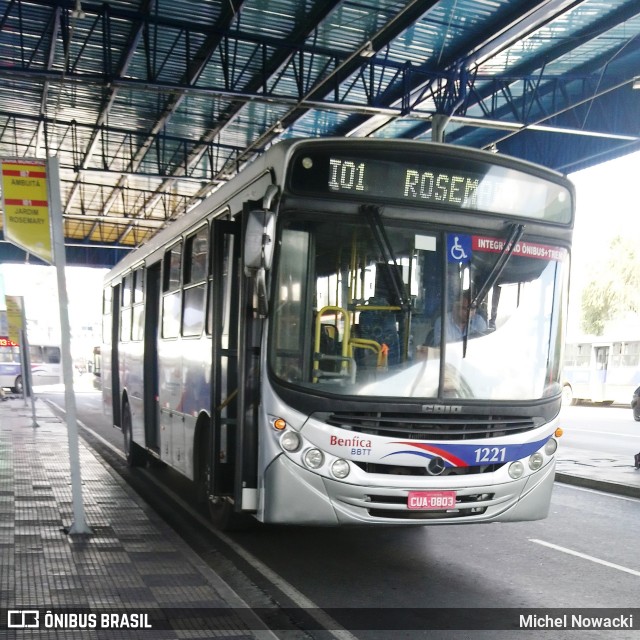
259 241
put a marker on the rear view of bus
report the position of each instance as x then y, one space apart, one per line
351 331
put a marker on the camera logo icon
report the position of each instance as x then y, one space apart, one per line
23 619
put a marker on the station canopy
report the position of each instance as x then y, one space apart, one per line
150 105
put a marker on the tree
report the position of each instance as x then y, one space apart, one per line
612 291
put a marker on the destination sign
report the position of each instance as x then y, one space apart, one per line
443 182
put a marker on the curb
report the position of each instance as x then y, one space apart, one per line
617 488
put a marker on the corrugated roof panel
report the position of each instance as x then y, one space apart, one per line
250 123
351 24
556 31
286 81
137 110
429 43
315 124
203 12
444 28
22 37
71 102
396 128
607 46
194 117
25 93
276 18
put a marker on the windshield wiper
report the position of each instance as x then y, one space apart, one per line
515 233
510 244
372 214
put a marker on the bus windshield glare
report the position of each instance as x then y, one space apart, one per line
345 324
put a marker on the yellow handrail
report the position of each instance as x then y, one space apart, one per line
345 337
381 350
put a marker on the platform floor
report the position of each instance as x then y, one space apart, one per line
132 563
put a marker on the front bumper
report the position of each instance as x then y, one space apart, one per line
299 496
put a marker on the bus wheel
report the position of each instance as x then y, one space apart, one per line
18 387
134 453
224 518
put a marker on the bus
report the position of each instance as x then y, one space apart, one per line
96 362
601 369
285 344
46 365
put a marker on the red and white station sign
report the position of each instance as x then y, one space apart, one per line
524 249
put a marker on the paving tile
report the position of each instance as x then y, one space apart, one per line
131 559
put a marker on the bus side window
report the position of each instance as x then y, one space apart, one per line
171 268
137 328
107 310
51 355
125 310
195 267
171 288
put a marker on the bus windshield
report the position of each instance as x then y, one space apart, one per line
430 317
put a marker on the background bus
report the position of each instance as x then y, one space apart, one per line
46 365
286 346
601 369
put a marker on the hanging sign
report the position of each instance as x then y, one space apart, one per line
14 318
26 207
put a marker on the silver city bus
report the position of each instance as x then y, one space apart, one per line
351 331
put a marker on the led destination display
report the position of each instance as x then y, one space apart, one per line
444 182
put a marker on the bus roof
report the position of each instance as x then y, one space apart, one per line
269 164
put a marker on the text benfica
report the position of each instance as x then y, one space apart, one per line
572 621
350 442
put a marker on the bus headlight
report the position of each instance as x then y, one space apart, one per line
551 446
290 441
313 458
340 469
516 469
536 460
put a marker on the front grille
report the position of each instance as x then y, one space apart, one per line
399 470
428 427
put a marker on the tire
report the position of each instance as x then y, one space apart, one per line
19 387
221 512
224 518
134 453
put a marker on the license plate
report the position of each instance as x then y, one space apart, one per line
431 500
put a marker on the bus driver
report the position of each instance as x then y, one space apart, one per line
456 323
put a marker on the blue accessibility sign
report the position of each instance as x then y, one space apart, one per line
458 248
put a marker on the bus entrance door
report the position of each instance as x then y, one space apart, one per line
599 392
224 324
151 408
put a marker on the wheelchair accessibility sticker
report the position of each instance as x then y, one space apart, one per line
459 248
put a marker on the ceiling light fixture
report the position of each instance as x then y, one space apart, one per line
368 51
278 128
78 12
636 83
